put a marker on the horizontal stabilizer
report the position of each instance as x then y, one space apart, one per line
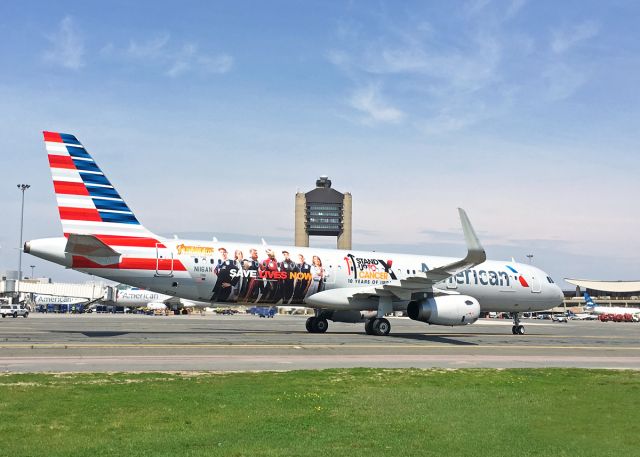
92 248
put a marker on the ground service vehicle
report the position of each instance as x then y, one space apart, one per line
13 311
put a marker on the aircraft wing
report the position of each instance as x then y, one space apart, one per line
171 300
403 289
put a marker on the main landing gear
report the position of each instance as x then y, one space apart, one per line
317 324
517 328
378 326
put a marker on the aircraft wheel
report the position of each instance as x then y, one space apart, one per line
309 324
514 330
320 325
381 327
520 329
15 315
368 327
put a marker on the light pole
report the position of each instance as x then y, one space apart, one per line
32 267
530 257
22 187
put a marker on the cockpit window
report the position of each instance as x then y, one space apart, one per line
550 280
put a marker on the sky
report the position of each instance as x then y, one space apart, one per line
208 117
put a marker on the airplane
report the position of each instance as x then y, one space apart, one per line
42 299
596 309
581 316
103 237
137 298
130 298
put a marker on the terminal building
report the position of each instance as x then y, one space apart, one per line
607 293
15 290
323 211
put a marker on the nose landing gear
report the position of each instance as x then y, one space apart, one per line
317 325
517 329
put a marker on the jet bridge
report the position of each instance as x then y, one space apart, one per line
91 291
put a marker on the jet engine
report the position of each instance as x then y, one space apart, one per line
445 310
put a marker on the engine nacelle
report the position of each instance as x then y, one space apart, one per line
445 310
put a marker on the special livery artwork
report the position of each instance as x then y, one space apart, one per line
245 274
270 275
259 276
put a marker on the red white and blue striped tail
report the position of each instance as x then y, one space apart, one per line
87 201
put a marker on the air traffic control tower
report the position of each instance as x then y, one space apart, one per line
323 211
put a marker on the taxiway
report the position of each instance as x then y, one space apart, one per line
106 343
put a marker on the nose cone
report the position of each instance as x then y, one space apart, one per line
559 295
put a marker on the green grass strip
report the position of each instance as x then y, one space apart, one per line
356 412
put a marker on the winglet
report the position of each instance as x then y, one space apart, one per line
475 251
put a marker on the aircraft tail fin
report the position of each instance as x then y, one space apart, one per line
589 301
87 201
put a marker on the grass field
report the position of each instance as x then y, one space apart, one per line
321 413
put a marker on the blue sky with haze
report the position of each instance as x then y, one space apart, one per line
209 116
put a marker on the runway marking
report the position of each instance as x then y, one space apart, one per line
447 335
84 360
303 346
24 332
274 332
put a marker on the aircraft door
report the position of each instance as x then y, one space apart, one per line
164 261
535 285
329 275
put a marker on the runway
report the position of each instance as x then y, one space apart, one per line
106 343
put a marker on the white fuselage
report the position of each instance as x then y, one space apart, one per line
209 271
597 310
135 298
41 299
